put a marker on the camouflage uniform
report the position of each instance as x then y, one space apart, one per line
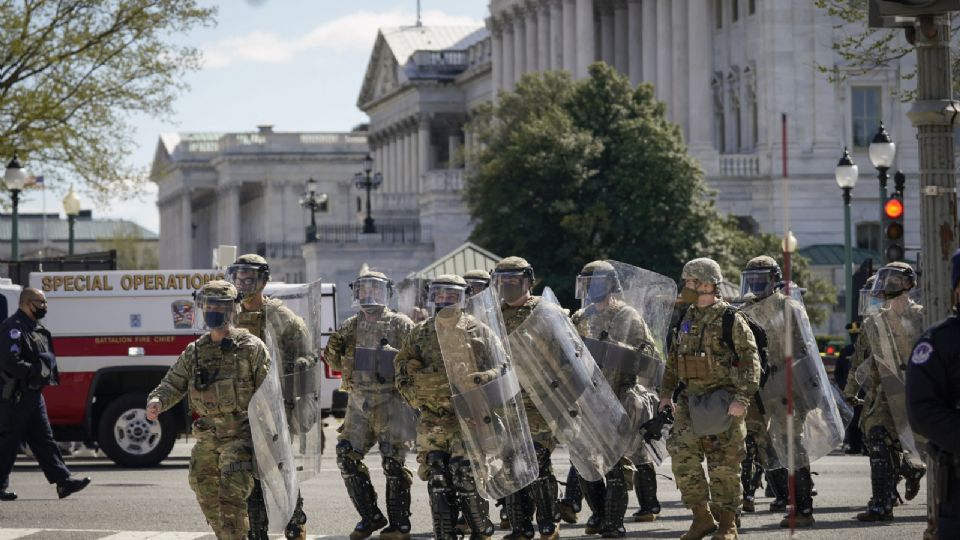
423 382
899 329
221 467
372 412
608 503
701 360
292 345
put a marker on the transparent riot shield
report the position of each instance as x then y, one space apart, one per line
568 388
272 451
486 395
818 425
294 342
625 321
888 338
378 411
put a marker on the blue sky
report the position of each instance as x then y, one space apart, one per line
295 64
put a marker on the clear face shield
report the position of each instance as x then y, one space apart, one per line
249 279
890 283
756 283
476 285
216 313
371 293
443 295
594 288
869 304
511 285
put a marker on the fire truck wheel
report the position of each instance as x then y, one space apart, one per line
129 439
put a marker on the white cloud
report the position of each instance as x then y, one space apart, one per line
351 33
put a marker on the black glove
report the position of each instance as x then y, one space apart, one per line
653 430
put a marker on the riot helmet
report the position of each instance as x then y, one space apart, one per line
760 278
445 291
372 290
249 274
596 281
477 281
512 277
893 280
700 270
217 301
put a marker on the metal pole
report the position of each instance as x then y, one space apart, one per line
847 259
883 188
933 115
71 220
788 362
368 227
15 232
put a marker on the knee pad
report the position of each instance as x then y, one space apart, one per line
438 471
462 475
348 461
394 469
388 450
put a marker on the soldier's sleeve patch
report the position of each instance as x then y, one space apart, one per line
921 353
14 334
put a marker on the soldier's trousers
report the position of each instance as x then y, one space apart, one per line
724 454
221 476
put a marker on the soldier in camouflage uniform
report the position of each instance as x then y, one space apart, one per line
611 317
219 372
513 277
477 281
896 326
373 409
707 370
259 315
423 382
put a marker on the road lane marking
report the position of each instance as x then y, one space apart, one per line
13 534
154 535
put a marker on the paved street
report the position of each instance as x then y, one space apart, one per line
157 504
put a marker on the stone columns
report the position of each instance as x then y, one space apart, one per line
635 41
569 14
415 157
607 43
664 82
411 157
556 34
621 26
530 18
496 62
543 36
701 94
585 42
185 248
507 53
423 146
392 178
453 147
649 38
228 217
680 93
406 160
519 45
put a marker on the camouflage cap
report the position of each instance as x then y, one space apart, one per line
763 261
218 290
477 274
251 258
512 263
597 266
366 272
702 269
900 265
448 279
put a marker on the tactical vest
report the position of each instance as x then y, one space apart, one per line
223 381
704 360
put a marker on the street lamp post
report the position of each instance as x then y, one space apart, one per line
846 175
882 152
15 178
71 205
364 180
313 203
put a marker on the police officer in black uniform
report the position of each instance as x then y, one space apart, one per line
933 405
27 364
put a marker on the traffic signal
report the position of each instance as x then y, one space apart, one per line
913 8
893 229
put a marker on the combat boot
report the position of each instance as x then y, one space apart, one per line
572 499
804 511
777 480
504 516
645 485
703 523
727 529
367 527
594 493
465 529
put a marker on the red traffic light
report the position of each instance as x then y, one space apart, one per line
893 209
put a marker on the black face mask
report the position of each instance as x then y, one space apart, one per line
214 319
39 313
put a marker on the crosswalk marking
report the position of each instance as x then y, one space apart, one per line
13 534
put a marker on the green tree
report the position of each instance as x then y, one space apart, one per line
134 252
573 171
72 72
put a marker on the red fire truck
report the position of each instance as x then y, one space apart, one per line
115 335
